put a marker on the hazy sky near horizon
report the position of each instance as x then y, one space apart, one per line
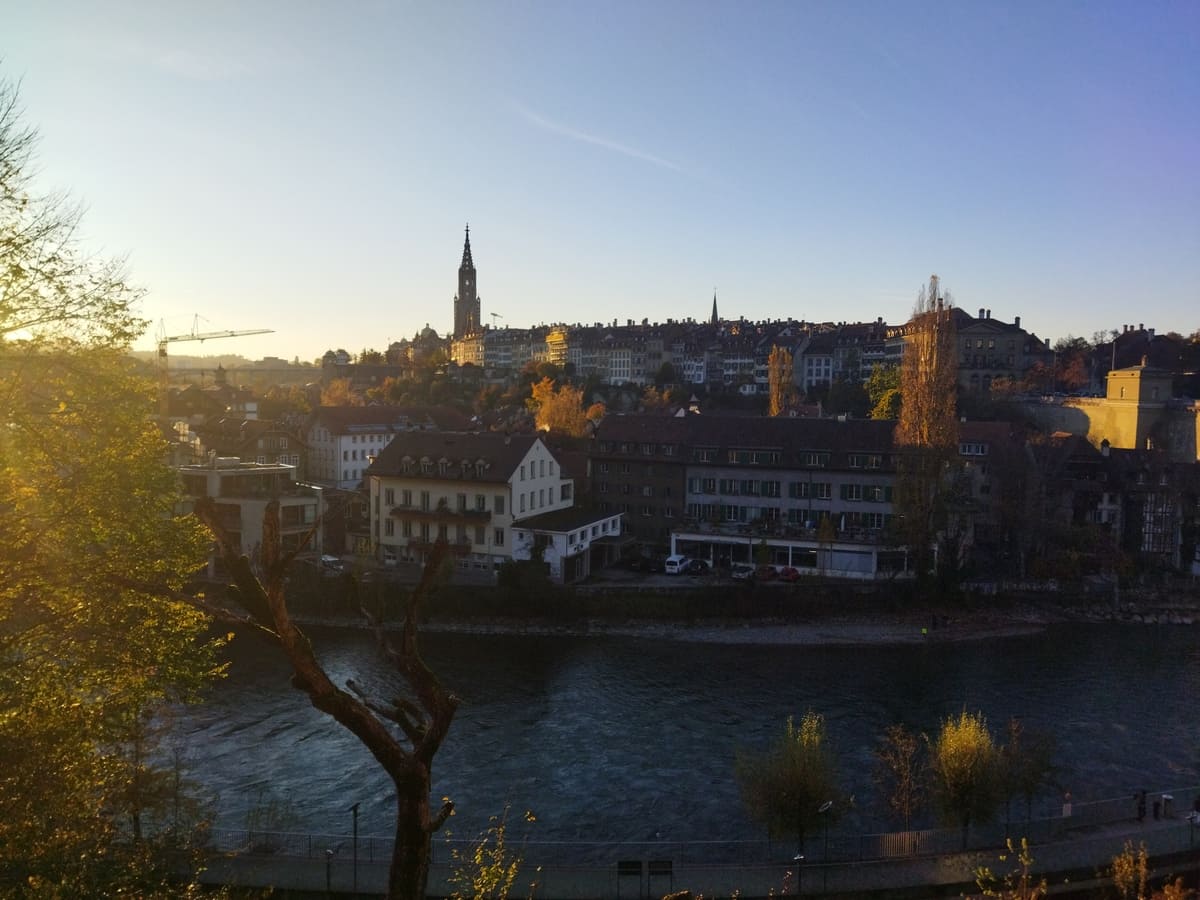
309 167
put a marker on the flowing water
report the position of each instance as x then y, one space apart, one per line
616 738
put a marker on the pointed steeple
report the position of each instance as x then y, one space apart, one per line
466 263
715 320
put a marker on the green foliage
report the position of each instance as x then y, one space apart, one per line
90 540
883 392
785 787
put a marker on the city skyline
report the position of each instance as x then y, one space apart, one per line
311 170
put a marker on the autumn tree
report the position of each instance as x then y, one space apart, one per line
963 765
786 788
561 409
900 773
927 431
86 654
781 381
338 392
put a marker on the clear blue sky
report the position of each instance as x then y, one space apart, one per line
309 167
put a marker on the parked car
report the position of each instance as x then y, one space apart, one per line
332 563
766 573
741 572
697 567
675 564
789 573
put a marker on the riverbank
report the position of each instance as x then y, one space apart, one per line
867 625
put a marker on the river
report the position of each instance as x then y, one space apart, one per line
619 738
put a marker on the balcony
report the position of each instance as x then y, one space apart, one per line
441 514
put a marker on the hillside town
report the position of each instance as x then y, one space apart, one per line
760 446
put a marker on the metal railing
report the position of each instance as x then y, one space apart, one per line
822 845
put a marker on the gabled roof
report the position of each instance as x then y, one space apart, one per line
358 419
499 454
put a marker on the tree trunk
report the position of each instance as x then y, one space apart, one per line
409 873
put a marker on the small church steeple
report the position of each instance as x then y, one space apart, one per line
715 321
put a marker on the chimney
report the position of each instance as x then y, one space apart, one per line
1017 321
1141 326
1150 333
989 314
981 312
1104 447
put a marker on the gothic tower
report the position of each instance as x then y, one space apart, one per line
466 302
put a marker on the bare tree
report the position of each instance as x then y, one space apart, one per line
421 719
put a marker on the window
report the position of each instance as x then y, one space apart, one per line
603 468
406 498
817 458
522 501
542 469
480 504
389 496
647 449
425 501
647 511
624 468
852 491
522 471
498 506
647 490
604 487
822 490
427 466
406 528
708 485
480 534
425 532
565 492
460 534
498 537
389 527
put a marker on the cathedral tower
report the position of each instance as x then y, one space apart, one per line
466 302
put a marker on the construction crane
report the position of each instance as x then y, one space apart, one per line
194 335
495 316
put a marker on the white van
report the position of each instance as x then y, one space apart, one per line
675 564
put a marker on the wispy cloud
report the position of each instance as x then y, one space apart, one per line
595 140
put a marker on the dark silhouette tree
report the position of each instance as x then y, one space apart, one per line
403 734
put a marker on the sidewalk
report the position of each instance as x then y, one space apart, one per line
1084 851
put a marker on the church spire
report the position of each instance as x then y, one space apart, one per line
715 320
466 263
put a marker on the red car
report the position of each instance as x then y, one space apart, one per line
789 573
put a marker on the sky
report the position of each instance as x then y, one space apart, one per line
310 167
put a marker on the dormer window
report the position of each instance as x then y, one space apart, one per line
426 465
443 466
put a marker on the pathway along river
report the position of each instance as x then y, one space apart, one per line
618 738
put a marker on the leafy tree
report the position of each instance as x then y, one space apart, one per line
883 392
86 653
339 393
490 870
927 431
847 396
561 409
654 399
371 358
900 773
666 375
781 381
963 765
786 787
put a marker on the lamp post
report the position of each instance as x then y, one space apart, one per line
354 812
328 874
799 858
823 809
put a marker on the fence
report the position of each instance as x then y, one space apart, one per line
821 847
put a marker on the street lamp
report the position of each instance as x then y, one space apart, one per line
328 874
823 809
354 811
